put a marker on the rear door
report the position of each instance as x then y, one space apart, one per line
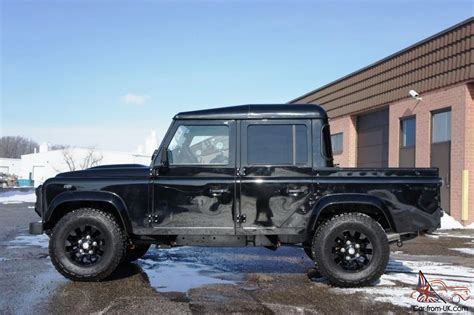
274 176
195 194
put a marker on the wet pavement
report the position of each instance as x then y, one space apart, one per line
216 280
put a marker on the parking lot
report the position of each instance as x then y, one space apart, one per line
186 279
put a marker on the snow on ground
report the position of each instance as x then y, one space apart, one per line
11 197
449 223
469 251
404 274
25 241
437 234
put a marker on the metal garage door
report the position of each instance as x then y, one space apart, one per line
372 139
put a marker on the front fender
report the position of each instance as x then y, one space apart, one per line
91 196
345 199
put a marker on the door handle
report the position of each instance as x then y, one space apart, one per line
218 192
295 192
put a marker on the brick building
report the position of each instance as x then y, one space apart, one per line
376 123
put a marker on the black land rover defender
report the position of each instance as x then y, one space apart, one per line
252 175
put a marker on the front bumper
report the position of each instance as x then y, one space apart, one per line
36 227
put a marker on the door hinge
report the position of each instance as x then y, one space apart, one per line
241 218
241 171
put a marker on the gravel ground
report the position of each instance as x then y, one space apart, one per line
217 280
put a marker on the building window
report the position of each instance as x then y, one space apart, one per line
408 132
277 144
336 142
441 126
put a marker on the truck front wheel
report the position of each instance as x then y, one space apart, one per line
87 245
352 250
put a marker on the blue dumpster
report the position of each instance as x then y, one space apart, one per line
25 182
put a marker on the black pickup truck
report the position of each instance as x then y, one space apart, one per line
251 175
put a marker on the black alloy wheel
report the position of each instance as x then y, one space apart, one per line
87 245
351 250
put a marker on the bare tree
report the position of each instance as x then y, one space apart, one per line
14 147
69 159
92 159
73 163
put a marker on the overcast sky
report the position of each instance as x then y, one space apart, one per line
105 73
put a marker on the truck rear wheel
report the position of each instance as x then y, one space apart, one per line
87 245
352 250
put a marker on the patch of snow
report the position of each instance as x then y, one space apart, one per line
384 281
449 223
406 273
173 276
469 251
11 197
446 271
25 241
470 226
438 234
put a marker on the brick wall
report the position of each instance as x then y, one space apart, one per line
346 125
460 99
462 139
469 146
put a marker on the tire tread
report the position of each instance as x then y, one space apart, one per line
117 231
344 217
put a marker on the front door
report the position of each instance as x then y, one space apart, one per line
274 176
195 193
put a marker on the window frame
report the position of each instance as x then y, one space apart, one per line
342 143
440 111
402 120
230 124
243 142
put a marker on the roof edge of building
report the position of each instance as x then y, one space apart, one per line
421 42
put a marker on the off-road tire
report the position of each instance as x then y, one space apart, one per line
322 249
308 251
308 246
114 245
134 252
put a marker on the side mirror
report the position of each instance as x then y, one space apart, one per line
153 156
164 158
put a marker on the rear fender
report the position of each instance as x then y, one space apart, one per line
350 199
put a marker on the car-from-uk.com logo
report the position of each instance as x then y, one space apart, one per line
438 296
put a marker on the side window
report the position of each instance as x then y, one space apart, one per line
408 132
269 144
441 127
200 144
336 141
